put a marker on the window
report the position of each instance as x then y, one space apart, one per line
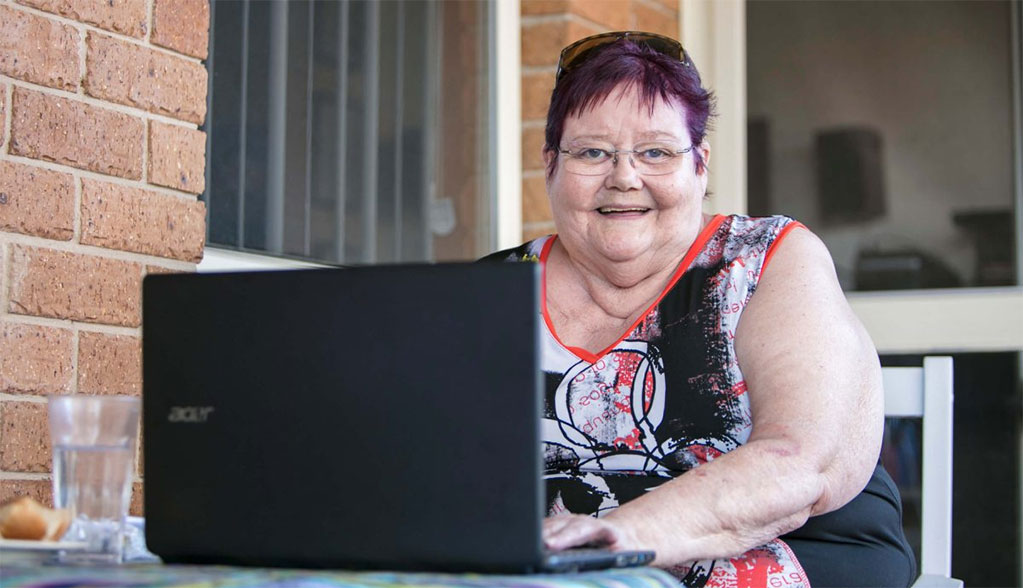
350 132
892 130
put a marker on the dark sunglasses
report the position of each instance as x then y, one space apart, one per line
577 53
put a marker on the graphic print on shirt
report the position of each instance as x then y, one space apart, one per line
614 405
606 413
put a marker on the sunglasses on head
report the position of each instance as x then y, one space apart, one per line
577 53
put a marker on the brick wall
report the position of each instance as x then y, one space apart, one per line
547 26
101 163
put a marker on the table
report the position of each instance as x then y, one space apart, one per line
169 576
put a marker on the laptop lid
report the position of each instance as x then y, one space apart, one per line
375 417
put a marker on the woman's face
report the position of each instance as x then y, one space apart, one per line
623 215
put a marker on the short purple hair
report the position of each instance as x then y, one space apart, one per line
625 63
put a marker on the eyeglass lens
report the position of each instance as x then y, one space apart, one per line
583 167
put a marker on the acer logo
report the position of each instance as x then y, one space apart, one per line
189 414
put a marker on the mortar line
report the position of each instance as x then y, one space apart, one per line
91 175
14 476
99 103
8 121
68 325
23 396
82 52
102 252
148 36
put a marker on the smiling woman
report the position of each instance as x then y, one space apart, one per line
710 395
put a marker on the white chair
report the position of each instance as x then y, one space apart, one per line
927 393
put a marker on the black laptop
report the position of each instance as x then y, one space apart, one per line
380 417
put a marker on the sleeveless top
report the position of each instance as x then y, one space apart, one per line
666 397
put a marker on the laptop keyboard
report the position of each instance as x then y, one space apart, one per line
593 558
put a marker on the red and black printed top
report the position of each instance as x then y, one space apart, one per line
666 397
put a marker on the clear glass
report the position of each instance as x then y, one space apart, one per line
93 460
888 129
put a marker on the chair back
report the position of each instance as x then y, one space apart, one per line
926 392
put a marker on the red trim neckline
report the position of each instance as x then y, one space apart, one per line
694 250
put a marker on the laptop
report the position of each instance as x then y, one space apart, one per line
381 417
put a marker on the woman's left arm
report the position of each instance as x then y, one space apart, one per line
814 382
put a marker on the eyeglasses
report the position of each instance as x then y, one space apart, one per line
579 52
649 159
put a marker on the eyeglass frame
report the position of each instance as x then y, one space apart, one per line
568 60
614 157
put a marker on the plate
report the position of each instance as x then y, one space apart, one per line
21 551
26 545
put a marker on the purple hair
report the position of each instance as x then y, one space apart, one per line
625 63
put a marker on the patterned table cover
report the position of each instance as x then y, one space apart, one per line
178 576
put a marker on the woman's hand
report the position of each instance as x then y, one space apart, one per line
573 530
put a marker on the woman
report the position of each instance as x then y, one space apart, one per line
710 394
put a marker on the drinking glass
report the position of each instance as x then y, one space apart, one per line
93 460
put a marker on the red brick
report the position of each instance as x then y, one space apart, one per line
535 7
38 50
109 364
159 269
542 42
614 15
135 507
182 25
532 146
40 490
76 134
36 201
24 437
535 205
610 14
132 219
140 454
177 157
654 18
34 359
134 75
58 284
536 231
536 94
127 17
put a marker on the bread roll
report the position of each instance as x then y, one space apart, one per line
24 518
